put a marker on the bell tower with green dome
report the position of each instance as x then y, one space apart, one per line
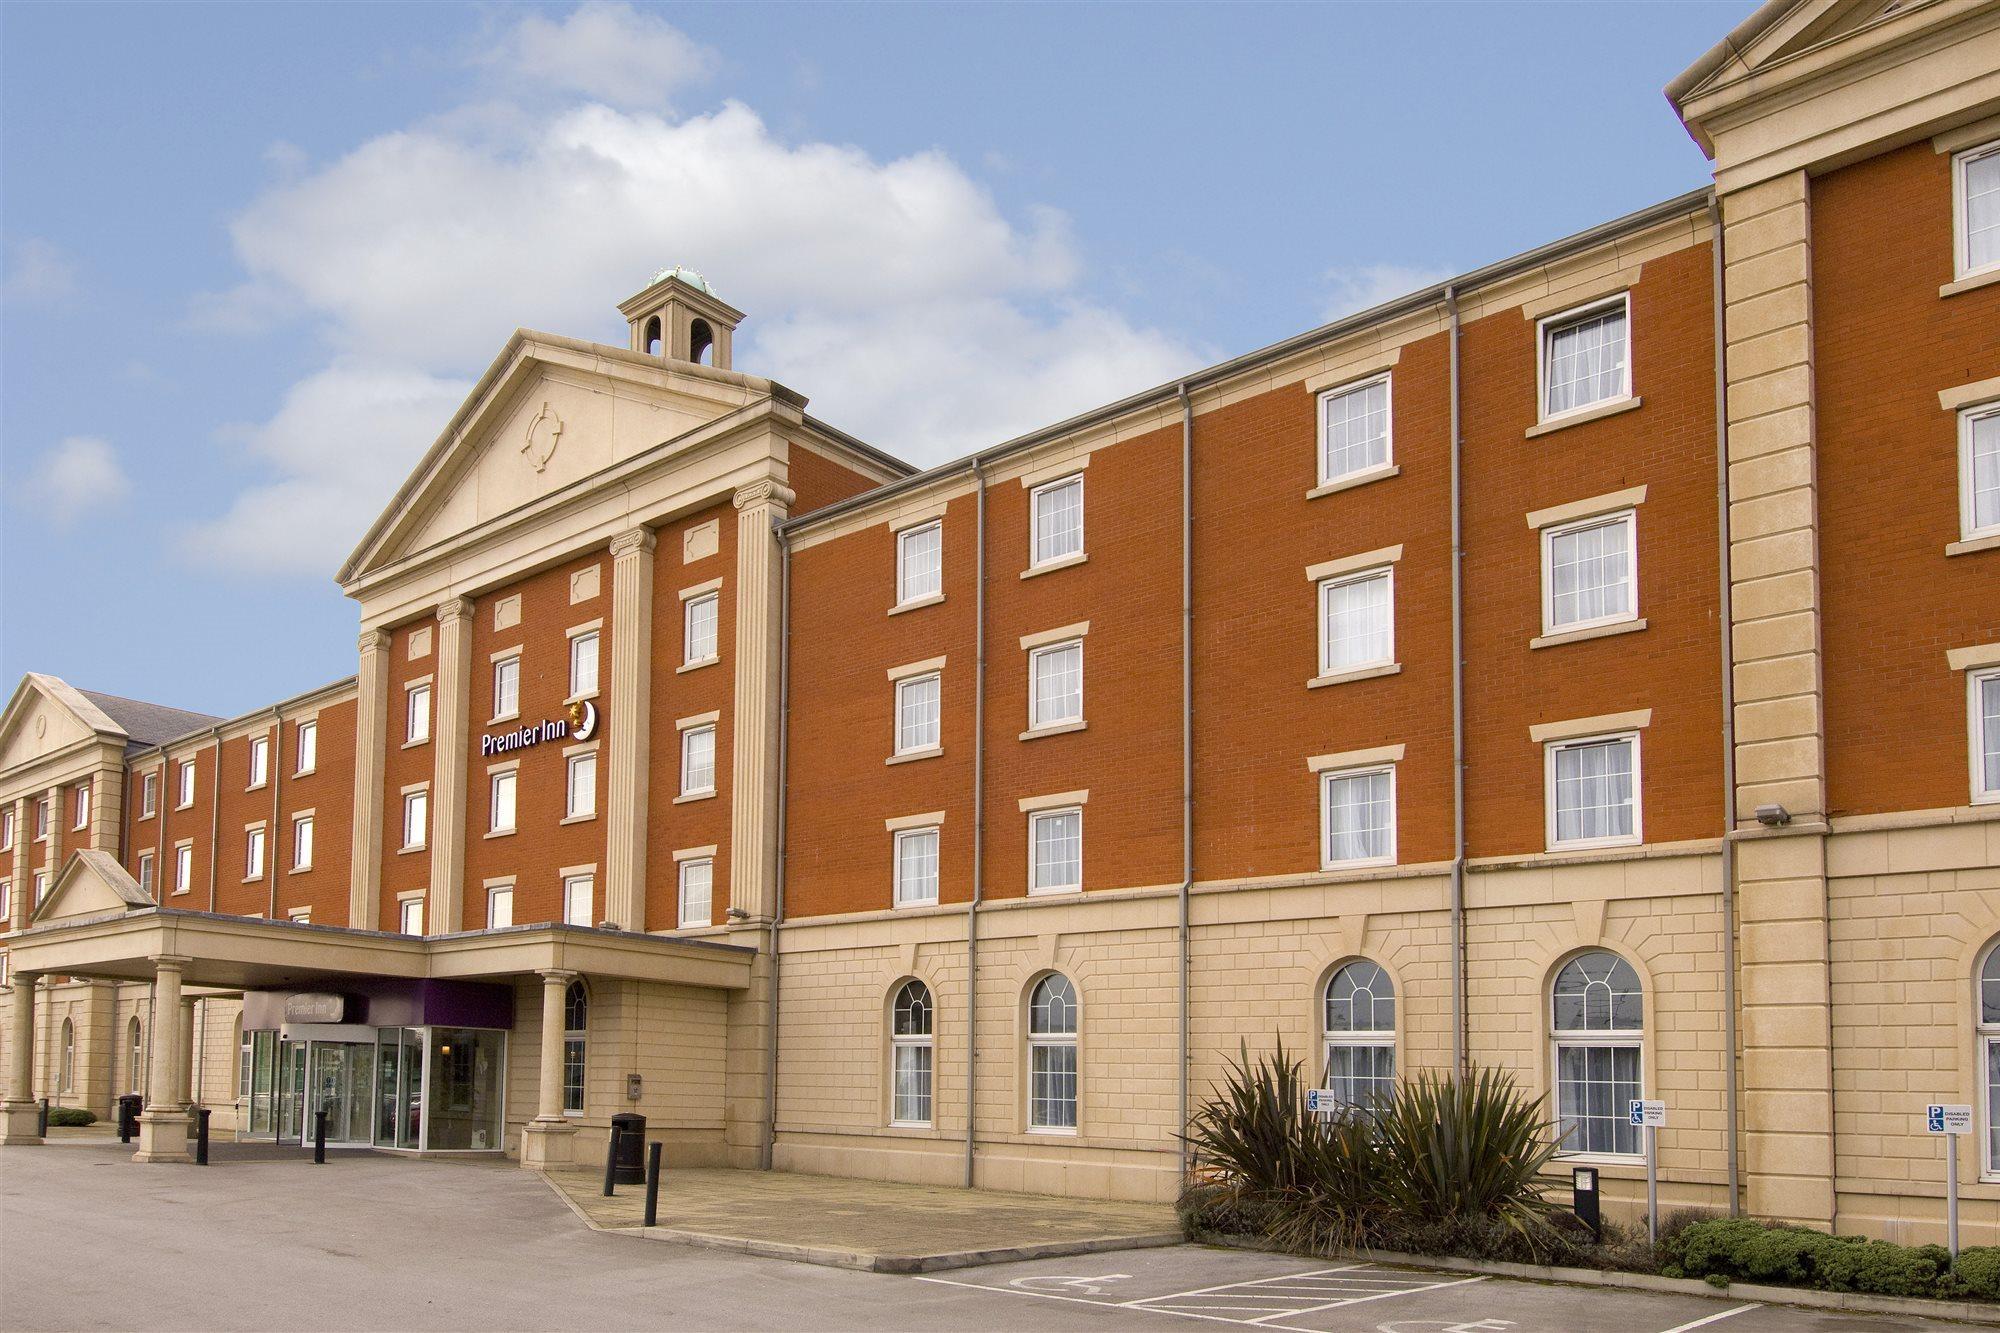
678 317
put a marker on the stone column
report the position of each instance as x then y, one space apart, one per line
163 1127
1786 987
630 740
448 740
21 873
186 1054
107 805
58 821
753 830
549 1140
371 735
19 1117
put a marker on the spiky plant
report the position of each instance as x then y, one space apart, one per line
1456 1151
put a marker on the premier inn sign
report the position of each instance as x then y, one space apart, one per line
581 724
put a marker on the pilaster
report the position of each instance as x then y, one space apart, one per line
753 862
630 739
107 805
371 734
445 913
20 871
52 850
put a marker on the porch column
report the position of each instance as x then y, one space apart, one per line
549 1140
630 749
19 1121
163 1126
451 699
371 733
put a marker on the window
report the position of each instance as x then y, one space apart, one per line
1589 573
302 842
1055 850
506 688
1977 182
580 786
1979 468
501 801
135 1056
697 891
916 866
149 795
42 819
1593 791
576 1020
1985 727
917 713
308 743
1597 1018
7 892
300 916
66 1071
416 819
183 867
1361 1035
583 664
911 1041
260 761
1055 684
244 1062
1353 430
1358 817
417 719
698 629
577 891
1583 358
41 888
697 761
1357 622
1989 1054
1052 1054
499 907
145 872
411 916
919 563
253 854
82 807
1057 510
7 829
185 798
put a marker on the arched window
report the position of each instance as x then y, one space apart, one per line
576 1018
1989 1051
701 343
1052 1054
1597 1019
1361 1034
652 336
135 1057
911 1039
66 1071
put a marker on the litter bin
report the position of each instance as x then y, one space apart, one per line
628 1132
129 1105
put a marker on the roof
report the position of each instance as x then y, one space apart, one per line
148 724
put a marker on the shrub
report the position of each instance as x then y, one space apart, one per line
1979 1272
71 1117
1739 1249
1460 1150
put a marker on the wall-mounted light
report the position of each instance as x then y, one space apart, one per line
738 914
1773 816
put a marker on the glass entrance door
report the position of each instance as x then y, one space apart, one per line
291 1090
343 1082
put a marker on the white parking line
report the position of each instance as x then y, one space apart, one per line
1085 1300
1231 1286
1713 1319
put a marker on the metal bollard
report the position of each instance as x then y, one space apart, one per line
201 1136
42 1127
319 1138
610 1161
652 1184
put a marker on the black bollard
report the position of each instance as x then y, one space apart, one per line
319 1138
42 1124
652 1184
201 1136
610 1161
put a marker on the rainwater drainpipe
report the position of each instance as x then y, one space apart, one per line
778 906
1723 616
1187 751
277 778
978 813
214 827
1458 968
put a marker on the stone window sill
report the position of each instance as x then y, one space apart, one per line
504 717
1363 673
1972 283
299 870
501 833
911 756
418 847
686 797
304 772
1596 412
1053 729
1594 632
685 667
918 603
1051 566
1990 542
577 819
407 745
1348 483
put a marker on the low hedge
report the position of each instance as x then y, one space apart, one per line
1737 1249
71 1117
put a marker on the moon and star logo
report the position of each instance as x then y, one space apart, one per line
582 720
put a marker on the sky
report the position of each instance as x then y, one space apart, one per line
252 257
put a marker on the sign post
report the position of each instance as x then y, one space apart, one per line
1652 1117
1950 1121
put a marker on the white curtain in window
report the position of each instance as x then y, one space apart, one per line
1586 360
1594 791
698 759
1984 481
697 891
1355 428
1058 685
1357 631
922 570
917 714
917 866
1059 520
1989 730
1058 849
1590 571
1982 211
700 617
1360 815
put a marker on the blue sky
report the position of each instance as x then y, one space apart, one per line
252 256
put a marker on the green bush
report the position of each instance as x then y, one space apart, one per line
1740 1250
1979 1272
71 1117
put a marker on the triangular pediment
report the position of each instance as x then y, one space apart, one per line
92 884
48 716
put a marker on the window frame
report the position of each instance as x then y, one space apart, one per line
256 852
1037 816
1036 495
1986 1046
897 898
1976 737
1327 778
925 1041
1961 212
595 638
1374 1039
904 597
7 829
1072 1039
306 741
496 780
576 1048
1561 1039
81 803
260 763
149 800
305 823
40 889
183 867
1548 325
1627 518
494 894
404 907
571 763
906 685
1549 750
501 675
410 798
1035 655
1325 396
184 787
712 599
1969 528
148 866
682 919
572 882
413 715
687 742
1327 666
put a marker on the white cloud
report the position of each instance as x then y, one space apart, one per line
1365 285
897 293
37 272
80 475
610 52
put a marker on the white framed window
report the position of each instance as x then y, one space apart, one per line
919 562
1357 621
7 890
578 891
1983 707
300 916
253 854
41 889
1359 1005
42 819
308 747
1976 209
1590 572
501 789
149 796
699 634
1358 817
146 873
1979 470
1055 850
302 842
185 796
500 907
1593 791
580 785
576 1024
1585 357
1989 1058
245 1062
260 761
507 687
1056 519
1055 684
410 916
1354 430
417 714
1052 1063
583 664
919 713
416 819
697 891
82 808
7 829
698 760
183 868
916 854
1597 1025
911 1043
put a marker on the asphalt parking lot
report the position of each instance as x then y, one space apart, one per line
91 1240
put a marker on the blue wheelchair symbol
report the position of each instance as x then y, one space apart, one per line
1934 1119
1636 1112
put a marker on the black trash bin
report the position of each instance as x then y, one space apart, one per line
629 1165
129 1106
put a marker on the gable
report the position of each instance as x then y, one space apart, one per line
91 884
48 716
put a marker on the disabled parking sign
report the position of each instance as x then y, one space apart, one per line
1947 1119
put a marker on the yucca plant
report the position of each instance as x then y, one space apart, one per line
1464 1151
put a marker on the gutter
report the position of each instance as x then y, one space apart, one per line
1460 1024
1725 617
215 817
277 778
778 907
1187 760
978 822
